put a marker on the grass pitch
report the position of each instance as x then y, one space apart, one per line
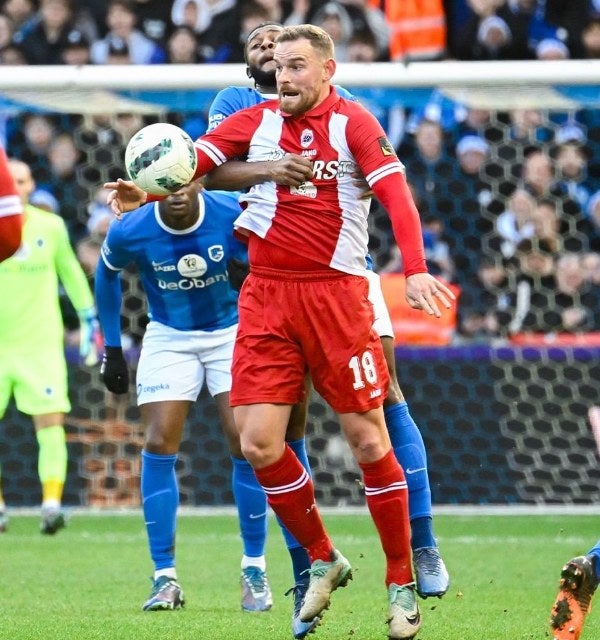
89 581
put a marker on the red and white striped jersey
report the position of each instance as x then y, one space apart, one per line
323 220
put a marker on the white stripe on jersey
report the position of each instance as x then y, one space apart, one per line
10 206
394 167
211 151
263 196
287 488
354 234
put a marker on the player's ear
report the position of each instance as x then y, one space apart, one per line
248 72
329 69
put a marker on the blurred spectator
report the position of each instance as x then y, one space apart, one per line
494 31
334 18
362 48
533 270
182 46
118 52
30 143
437 252
195 14
590 263
45 41
122 33
76 49
64 159
12 55
23 15
217 25
559 300
593 215
483 304
6 31
562 20
418 29
369 21
551 49
154 19
590 38
428 164
570 160
515 223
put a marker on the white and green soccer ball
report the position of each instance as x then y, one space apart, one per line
160 159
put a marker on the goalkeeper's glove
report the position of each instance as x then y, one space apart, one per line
237 270
89 336
114 371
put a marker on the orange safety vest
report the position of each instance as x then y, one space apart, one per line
418 28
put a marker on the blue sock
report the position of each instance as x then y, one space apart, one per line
409 448
298 554
251 503
595 553
160 499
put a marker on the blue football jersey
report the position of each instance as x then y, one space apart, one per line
183 272
232 99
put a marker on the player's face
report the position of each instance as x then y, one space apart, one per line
180 210
302 76
259 55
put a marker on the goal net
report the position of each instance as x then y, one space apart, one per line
508 414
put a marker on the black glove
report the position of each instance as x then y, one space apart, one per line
238 271
114 371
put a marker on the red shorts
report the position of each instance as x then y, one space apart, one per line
319 321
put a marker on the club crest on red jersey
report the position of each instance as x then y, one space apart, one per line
306 138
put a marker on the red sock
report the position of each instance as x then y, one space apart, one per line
291 494
387 499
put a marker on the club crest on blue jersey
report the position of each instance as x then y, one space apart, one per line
216 252
192 266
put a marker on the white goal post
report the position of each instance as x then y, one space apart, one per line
385 74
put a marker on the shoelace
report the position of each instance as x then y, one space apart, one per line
298 591
161 584
404 598
431 564
319 569
255 578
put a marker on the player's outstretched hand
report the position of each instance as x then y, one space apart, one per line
114 371
425 292
291 170
124 196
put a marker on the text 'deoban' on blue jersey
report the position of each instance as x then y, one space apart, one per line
183 272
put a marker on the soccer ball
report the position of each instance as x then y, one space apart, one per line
160 159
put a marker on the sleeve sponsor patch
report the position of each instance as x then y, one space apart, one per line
386 147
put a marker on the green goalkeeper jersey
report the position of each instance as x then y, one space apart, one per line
30 315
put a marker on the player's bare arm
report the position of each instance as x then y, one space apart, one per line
425 292
124 196
291 170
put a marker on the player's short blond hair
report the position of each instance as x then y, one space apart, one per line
319 38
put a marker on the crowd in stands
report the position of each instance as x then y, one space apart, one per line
213 31
510 201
